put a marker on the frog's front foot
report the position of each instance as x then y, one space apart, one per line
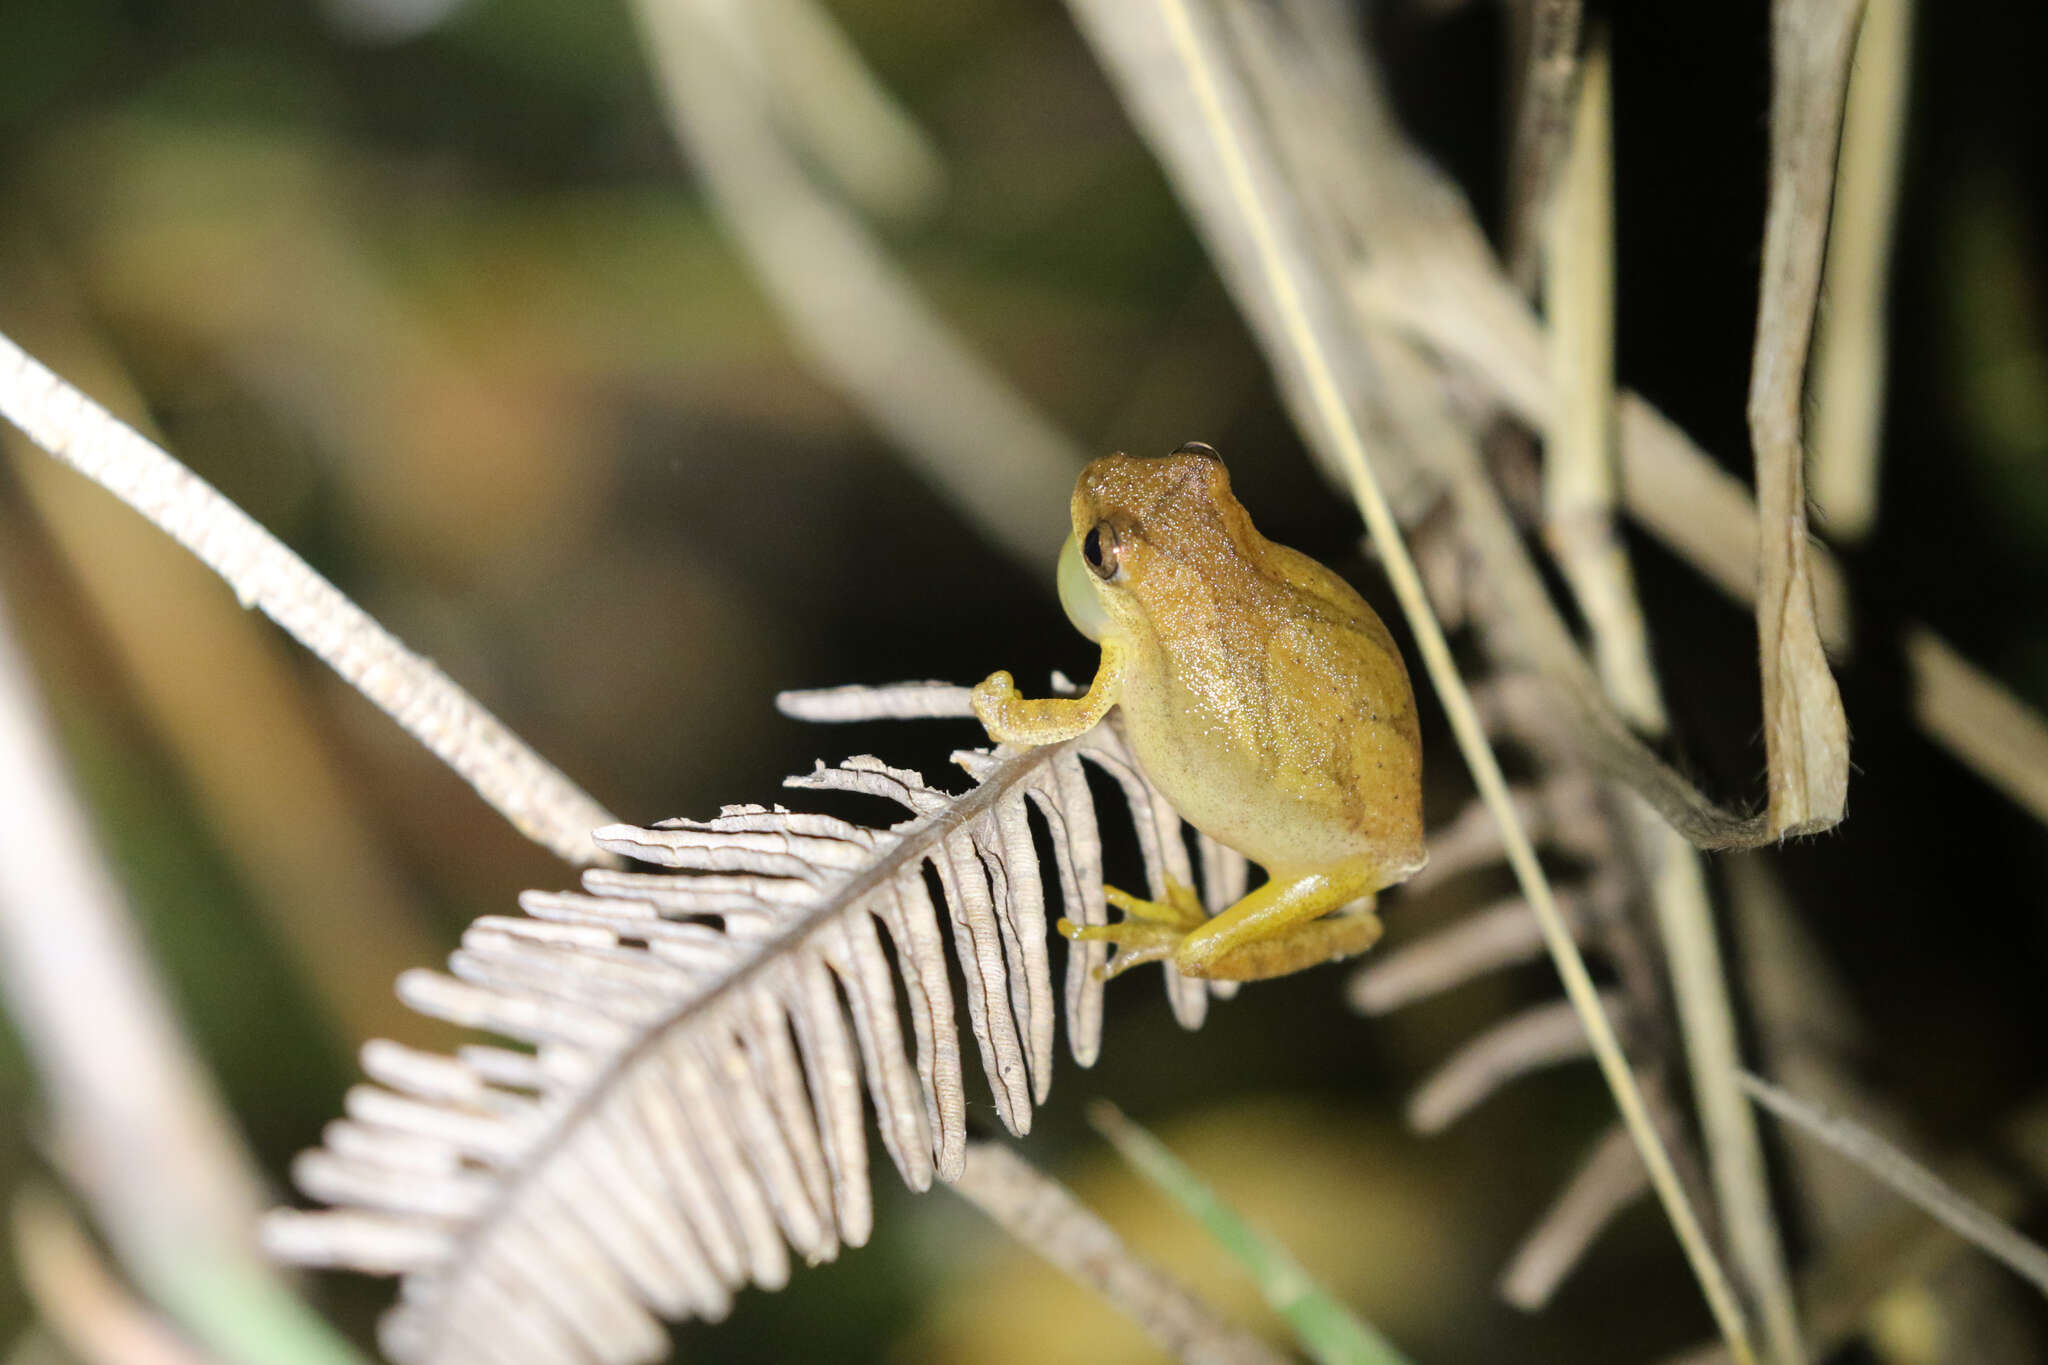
1012 718
1150 931
994 699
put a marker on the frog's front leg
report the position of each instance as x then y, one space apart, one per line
1283 926
1011 718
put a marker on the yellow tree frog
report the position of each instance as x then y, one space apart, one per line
1262 696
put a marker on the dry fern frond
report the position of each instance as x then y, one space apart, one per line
690 1106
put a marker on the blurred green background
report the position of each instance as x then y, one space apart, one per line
440 306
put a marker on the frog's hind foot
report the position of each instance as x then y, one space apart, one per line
1182 909
1150 931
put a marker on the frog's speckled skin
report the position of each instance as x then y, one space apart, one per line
1262 695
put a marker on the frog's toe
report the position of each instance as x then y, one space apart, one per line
1181 910
1150 931
1125 933
1137 943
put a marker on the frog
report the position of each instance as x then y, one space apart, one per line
1259 692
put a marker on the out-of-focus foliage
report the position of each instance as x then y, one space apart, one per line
444 312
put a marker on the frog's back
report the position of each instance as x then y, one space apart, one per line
1262 694
1296 739
1345 711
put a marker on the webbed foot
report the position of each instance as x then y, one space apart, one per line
1285 925
1150 931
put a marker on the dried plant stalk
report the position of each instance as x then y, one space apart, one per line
864 326
1848 382
1532 634
1842 1292
1579 498
538 800
134 1116
2025 1257
1578 464
1045 1216
833 105
1152 82
1503 934
1334 428
1541 1036
1980 722
1678 492
1878 1253
1735 1155
1611 1179
1538 637
1471 320
79 1299
135 1121
320 874
1543 126
1681 495
1806 733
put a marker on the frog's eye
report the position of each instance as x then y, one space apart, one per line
1099 549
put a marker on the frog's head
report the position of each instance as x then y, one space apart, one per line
1146 530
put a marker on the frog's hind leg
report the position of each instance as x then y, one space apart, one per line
1287 925
1284 926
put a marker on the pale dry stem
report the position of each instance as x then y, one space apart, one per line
1175 32
1046 1217
833 105
866 328
1611 1178
1544 111
538 800
322 878
135 1123
1908 1178
1847 385
1578 460
135 1119
1979 721
80 1301
1579 498
1538 1037
1806 732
